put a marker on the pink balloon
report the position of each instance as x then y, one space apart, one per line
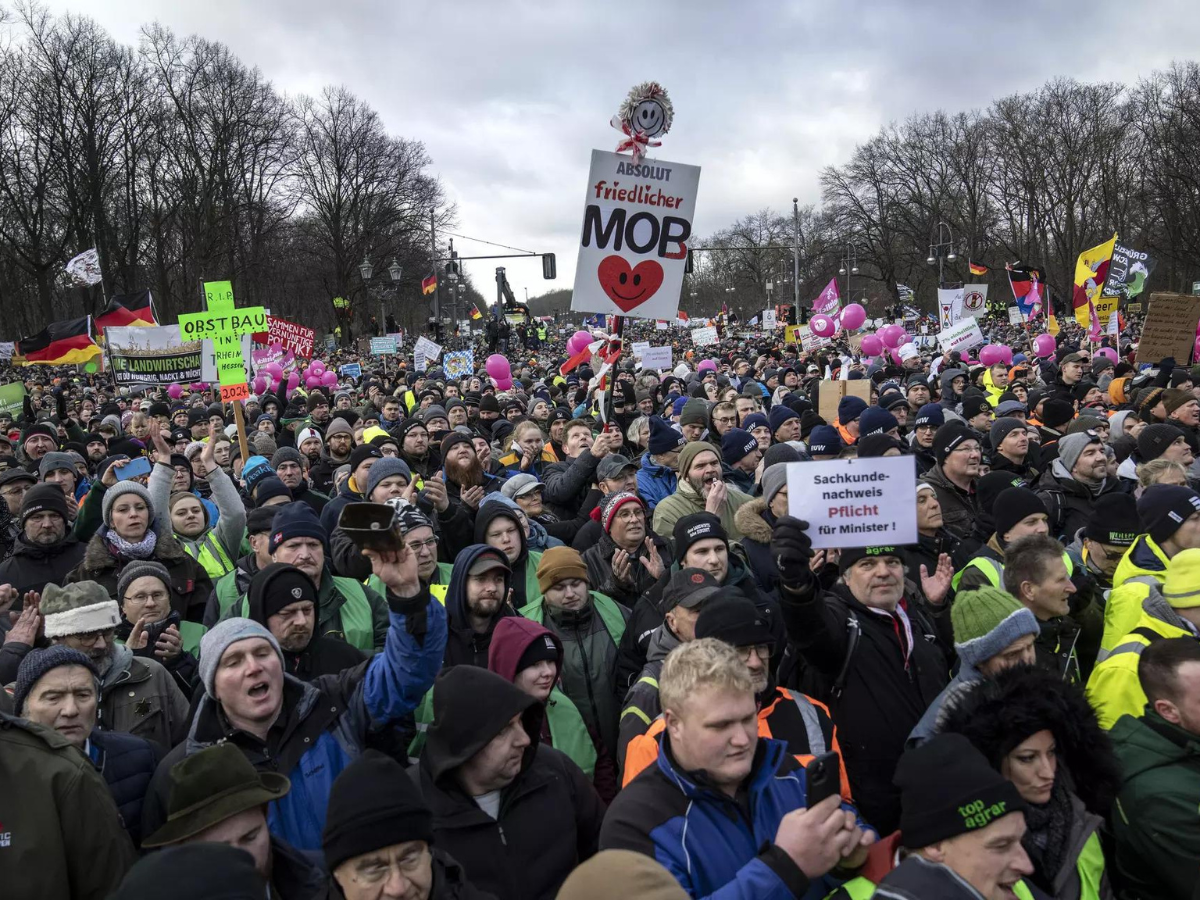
503 384
317 367
1044 345
498 367
822 325
990 355
896 357
890 335
175 391
1108 353
312 381
259 384
578 341
872 345
1006 354
905 338
329 378
293 381
706 365
853 317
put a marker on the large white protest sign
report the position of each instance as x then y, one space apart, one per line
974 300
856 502
657 358
962 335
637 220
702 337
768 319
427 348
640 347
660 325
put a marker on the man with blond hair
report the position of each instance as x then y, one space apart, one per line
711 719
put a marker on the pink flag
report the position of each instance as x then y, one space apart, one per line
1196 347
829 300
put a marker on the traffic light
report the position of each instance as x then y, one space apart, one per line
689 266
549 267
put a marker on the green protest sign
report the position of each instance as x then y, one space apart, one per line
12 399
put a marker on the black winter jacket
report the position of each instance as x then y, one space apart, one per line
884 695
127 763
32 566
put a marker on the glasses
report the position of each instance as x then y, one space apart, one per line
418 546
156 596
968 448
15 491
762 651
92 636
725 420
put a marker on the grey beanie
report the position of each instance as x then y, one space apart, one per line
774 479
56 460
141 569
38 662
385 468
1072 446
120 489
221 637
338 426
1002 428
286 454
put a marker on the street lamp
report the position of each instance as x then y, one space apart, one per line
395 272
942 250
849 266
365 269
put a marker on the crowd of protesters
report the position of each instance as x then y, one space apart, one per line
607 660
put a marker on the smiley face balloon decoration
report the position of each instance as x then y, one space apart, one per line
645 115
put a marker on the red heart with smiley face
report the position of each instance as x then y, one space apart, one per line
626 287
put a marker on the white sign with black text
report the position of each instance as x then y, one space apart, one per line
855 502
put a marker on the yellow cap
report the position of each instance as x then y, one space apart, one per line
1182 587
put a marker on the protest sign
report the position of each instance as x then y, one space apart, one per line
768 319
381 346
330 344
260 359
224 325
974 300
12 399
1170 328
830 394
810 341
291 336
637 220
152 355
427 348
702 337
351 370
640 347
656 358
208 358
829 301
950 305
856 502
962 335
1014 316
660 325
459 364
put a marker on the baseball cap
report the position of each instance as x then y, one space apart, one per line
520 485
613 465
689 588
487 562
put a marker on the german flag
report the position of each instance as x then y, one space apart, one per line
63 343
977 268
127 309
429 285
475 313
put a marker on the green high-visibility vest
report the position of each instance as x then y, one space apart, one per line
210 554
568 732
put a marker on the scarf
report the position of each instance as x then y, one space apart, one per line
123 549
1049 831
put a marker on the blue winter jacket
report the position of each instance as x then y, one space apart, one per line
654 482
127 763
325 723
703 838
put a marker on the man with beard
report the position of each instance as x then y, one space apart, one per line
1072 483
292 468
284 599
701 488
14 484
789 716
310 445
466 480
97 449
917 392
339 442
414 448
137 694
477 598
44 551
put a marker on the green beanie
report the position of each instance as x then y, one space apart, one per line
986 621
690 451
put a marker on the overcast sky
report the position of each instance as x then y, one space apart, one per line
509 97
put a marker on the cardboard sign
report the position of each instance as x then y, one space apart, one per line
293 337
381 346
703 337
831 393
208 360
856 502
1170 328
962 335
427 349
656 358
637 222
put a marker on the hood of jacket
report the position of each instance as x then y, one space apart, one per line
749 518
944 381
654 469
456 590
489 511
662 642
471 706
1152 742
511 639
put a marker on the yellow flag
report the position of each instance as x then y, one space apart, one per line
1052 325
1091 269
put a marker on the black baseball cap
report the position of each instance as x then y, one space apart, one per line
689 588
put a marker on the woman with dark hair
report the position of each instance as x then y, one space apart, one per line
1040 733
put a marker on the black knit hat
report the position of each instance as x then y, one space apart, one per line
1154 440
540 648
293 520
360 454
373 804
1057 413
947 788
1164 507
1012 505
852 555
950 436
734 620
38 662
44 498
275 586
696 527
454 437
1114 520
260 519
270 487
